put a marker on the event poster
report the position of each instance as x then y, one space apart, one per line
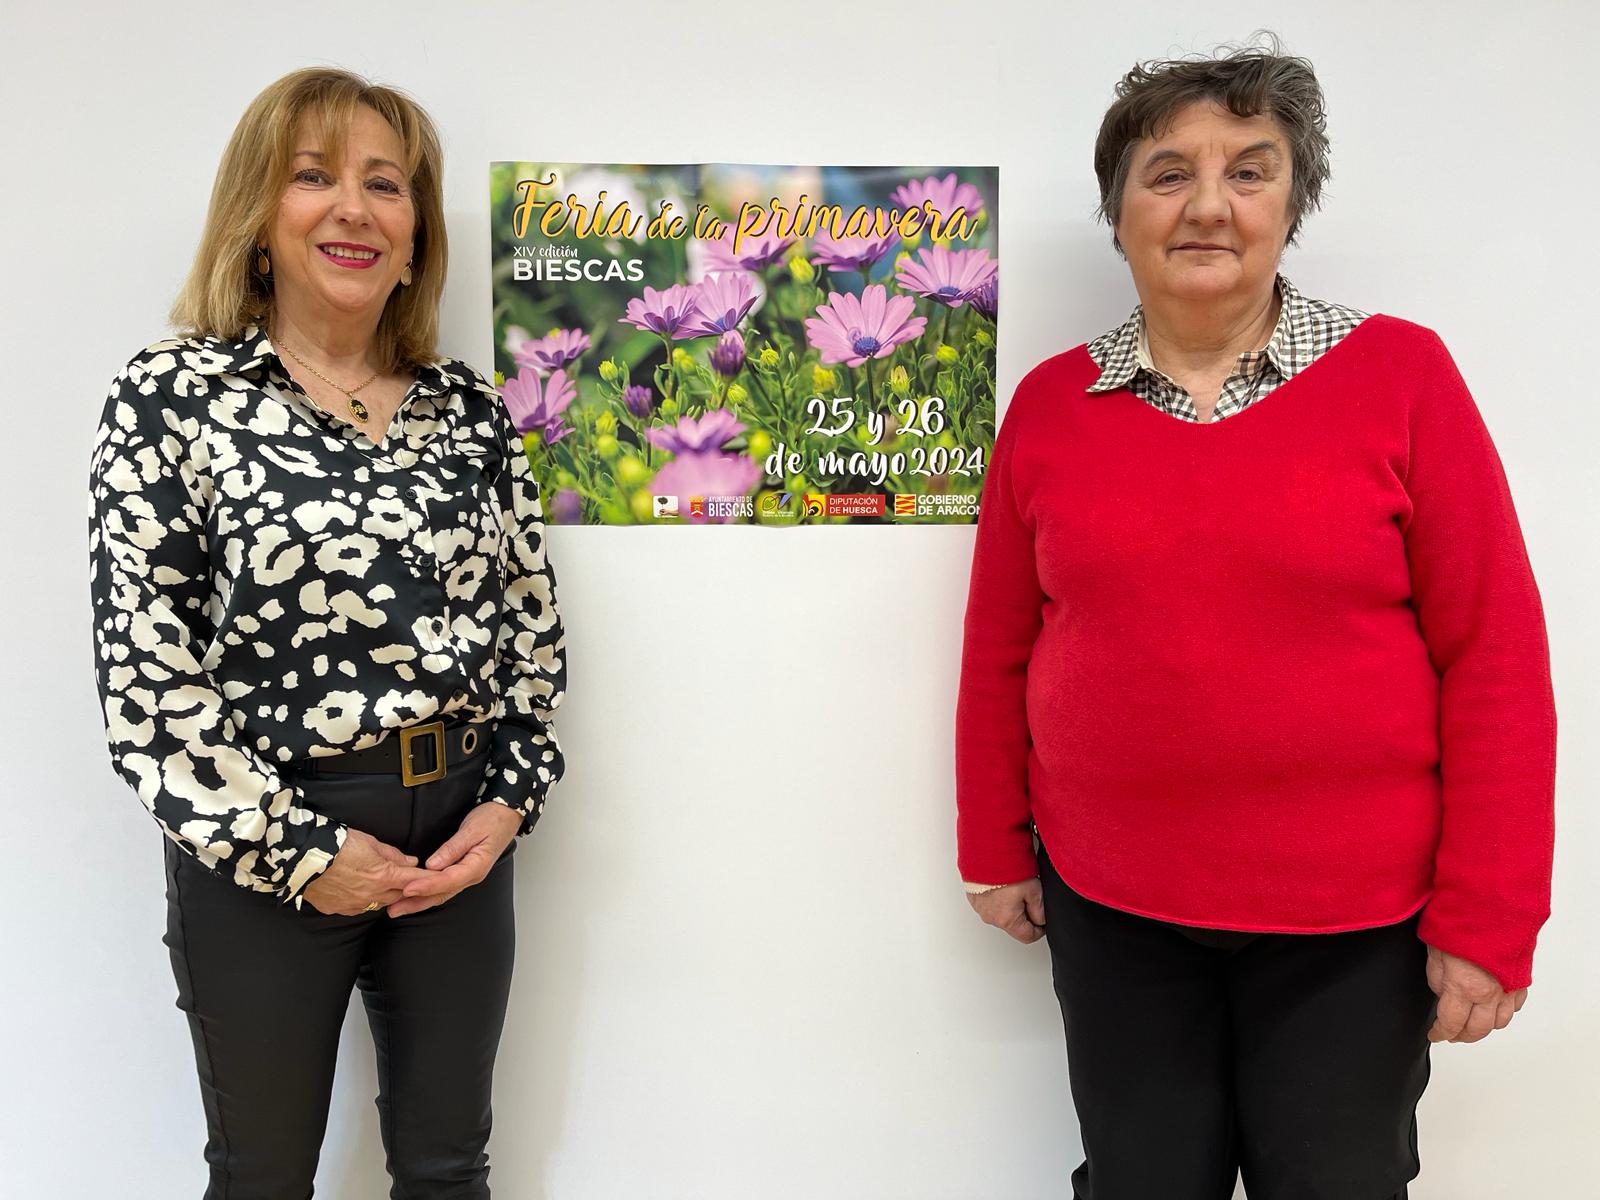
733 344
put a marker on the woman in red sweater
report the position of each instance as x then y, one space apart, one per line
1255 698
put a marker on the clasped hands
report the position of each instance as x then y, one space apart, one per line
368 872
1472 1004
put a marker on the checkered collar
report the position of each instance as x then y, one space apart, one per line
252 350
1124 351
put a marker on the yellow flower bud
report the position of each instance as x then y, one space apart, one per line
768 357
605 423
642 505
564 479
608 371
982 338
669 407
823 380
681 358
606 446
631 472
499 379
760 445
947 354
737 394
900 382
800 270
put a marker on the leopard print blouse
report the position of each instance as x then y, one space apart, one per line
270 585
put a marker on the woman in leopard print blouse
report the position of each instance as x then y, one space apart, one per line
327 645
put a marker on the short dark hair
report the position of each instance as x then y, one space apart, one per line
1246 80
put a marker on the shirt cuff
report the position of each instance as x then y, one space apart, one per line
978 889
529 815
313 861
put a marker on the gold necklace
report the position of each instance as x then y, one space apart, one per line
358 410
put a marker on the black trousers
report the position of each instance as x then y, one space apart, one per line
266 988
1296 1059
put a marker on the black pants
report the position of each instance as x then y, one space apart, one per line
1296 1059
266 988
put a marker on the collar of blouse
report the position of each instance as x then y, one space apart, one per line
252 349
1290 349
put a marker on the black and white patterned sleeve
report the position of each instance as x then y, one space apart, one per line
173 734
530 652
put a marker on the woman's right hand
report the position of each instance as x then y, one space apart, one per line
1017 908
365 875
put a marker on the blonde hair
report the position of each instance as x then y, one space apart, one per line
224 292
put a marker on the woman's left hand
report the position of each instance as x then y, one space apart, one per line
1471 1002
466 859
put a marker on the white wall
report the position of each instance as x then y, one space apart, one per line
746 967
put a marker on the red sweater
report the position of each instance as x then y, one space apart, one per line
1286 671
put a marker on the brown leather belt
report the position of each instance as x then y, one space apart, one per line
420 754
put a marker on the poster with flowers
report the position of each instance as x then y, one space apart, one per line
735 344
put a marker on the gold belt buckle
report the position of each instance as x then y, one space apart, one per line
410 777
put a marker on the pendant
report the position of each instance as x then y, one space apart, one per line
358 409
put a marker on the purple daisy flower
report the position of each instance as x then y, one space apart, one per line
727 356
985 301
946 195
560 348
707 473
722 301
663 313
755 252
640 400
852 329
566 508
537 404
948 276
696 436
850 253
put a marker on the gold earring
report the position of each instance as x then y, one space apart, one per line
263 263
405 276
